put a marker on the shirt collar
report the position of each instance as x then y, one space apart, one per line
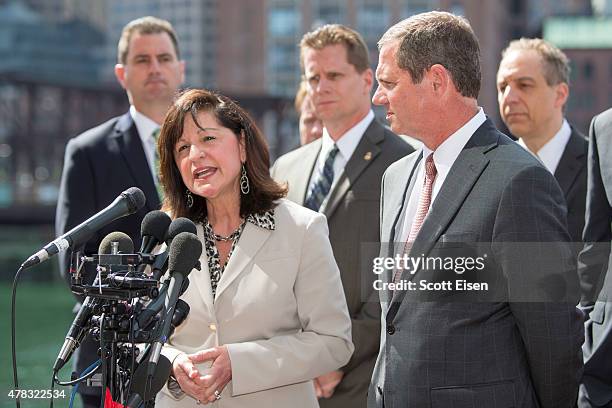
263 220
550 154
145 125
347 143
446 154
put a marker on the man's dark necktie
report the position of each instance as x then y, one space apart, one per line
319 190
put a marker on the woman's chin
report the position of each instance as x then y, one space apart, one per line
206 192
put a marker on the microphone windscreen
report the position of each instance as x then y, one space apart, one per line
135 199
181 310
155 224
126 246
184 253
139 379
179 225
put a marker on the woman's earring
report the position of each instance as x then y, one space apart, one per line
189 198
245 188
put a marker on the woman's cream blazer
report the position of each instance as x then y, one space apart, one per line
279 308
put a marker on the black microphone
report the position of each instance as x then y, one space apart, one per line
177 226
184 254
180 313
140 387
117 241
128 202
153 230
147 315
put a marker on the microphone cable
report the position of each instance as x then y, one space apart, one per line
84 375
88 372
13 353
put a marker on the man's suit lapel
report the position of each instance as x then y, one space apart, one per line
571 162
394 202
366 151
251 241
462 176
396 199
130 146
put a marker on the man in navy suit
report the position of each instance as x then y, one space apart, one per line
532 90
120 153
469 190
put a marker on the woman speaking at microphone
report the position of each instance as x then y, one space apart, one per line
268 312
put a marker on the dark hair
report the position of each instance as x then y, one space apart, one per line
264 191
332 34
145 26
438 37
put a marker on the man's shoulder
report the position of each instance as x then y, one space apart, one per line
390 139
298 154
401 168
578 144
97 134
395 143
502 151
578 135
603 118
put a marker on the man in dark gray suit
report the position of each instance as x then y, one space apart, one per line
532 90
515 343
120 153
339 175
594 266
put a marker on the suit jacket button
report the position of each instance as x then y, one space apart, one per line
390 329
379 390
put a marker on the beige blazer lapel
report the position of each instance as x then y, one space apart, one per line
201 278
249 244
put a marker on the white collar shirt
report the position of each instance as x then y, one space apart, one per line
346 144
444 157
550 154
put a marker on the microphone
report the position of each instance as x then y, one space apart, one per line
122 241
164 367
177 226
153 230
184 254
142 388
128 202
180 312
117 241
147 315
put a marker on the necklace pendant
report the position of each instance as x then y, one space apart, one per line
220 238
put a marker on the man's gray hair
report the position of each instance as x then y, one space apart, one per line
438 37
556 67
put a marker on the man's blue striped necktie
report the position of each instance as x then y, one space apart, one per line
319 190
